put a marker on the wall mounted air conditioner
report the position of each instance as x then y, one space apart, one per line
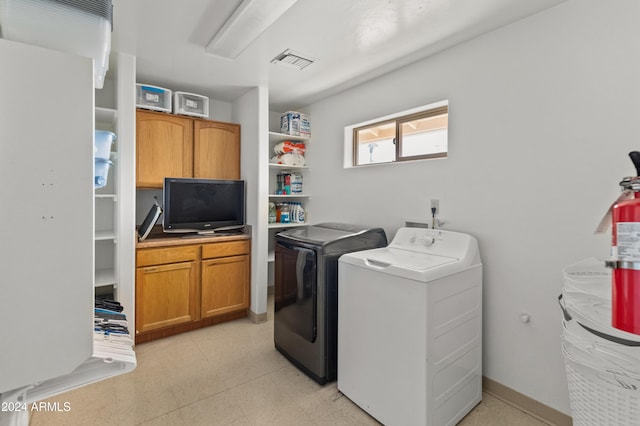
75 26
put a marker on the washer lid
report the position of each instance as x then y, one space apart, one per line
324 233
404 263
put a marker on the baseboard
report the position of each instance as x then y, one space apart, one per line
526 404
257 318
182 328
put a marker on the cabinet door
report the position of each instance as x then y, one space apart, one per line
165 295
225 285
164 148
216 150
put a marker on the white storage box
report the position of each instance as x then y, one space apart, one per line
191 104
153 97
305 125
290 123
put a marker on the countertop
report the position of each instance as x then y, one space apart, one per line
157 238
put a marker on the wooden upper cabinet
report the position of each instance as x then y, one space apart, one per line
164 147
176 146
216 148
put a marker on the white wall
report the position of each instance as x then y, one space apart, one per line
220 111
542 116
252 112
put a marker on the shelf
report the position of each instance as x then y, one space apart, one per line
286 225
286 167
105 117
275 138
105 235
289 196
105 277
278 137
106 196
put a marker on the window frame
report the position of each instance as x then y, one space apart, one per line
432 110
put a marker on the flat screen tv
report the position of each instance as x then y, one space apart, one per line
203 205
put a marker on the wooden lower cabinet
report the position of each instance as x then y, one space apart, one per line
180 288
165 295
224 285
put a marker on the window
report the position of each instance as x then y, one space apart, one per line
413 135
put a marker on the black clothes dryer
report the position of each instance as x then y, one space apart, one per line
306 292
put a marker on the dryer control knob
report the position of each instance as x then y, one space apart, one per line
412 239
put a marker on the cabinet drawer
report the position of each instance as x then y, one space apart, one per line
166 255
231 248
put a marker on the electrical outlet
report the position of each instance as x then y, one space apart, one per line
435 204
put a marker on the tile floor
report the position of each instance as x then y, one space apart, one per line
228 374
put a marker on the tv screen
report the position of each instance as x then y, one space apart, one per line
200 205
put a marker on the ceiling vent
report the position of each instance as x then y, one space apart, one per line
293 59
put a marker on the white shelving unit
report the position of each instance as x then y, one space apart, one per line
106 214
274 169
114 221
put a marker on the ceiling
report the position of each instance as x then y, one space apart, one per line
353 41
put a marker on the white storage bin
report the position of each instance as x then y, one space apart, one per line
191 104
602 363
305 125
588 276
588 347
153 97
101 173
603 398
62 25
102 142
290 123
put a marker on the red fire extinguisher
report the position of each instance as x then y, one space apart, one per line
625 254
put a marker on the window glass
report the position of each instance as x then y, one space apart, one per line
421 134
424 137
376 144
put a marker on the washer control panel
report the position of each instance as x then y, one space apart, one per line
416 238
433 241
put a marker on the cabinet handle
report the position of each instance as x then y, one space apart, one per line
155 269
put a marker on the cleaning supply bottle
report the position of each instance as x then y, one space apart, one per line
300 213
284 214
293 212
272 212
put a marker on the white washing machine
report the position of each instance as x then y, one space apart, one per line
410 328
